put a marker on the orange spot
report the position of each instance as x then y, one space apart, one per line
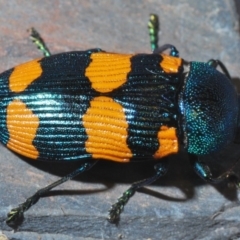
106 127
108 71
170 64
168 142
23 75
22 126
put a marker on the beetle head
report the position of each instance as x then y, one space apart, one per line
209 107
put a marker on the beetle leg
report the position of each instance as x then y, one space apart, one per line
205 173
16 214
173 51
153 28
116 209
37 39
217 63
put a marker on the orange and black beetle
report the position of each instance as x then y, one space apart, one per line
89 105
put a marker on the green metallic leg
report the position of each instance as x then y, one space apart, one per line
116 209
37 39
16 214
204 172
153 28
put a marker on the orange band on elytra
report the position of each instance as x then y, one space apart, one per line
170 64
108 71
106 127
168 142
22 126
23 75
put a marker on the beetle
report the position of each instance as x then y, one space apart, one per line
89 105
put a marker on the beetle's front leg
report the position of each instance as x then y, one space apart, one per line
217 63
205 173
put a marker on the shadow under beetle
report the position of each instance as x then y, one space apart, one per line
120 107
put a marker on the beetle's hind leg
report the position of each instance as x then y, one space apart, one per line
116 209
41 45
205 173
15 216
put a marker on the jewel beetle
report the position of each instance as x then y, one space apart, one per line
90 105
